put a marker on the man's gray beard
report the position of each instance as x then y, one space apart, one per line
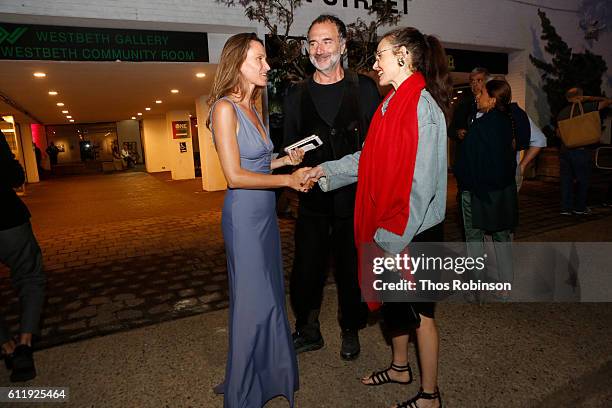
335 58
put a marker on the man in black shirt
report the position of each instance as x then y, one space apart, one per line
466 110
336 105
53 152
21 253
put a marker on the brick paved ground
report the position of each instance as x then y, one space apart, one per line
132 249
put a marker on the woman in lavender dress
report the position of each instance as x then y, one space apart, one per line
261 361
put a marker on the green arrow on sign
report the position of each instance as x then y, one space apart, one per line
11 37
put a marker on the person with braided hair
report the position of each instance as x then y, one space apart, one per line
485 172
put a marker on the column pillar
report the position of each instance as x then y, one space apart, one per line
29 157
212 174
155 144
180 147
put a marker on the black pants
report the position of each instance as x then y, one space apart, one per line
315 239
19 251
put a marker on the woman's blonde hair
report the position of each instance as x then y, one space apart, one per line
228 79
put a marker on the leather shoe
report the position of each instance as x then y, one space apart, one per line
23 364
302 342
350 348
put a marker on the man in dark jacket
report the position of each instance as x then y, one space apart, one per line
53 152
337 106
19 250
466 109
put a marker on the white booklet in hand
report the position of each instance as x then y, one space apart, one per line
306 144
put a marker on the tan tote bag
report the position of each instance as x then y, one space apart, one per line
581 130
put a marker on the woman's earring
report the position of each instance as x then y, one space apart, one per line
401 62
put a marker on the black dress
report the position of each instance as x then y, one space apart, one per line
395 314
486 167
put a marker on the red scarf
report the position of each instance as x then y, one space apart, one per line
386 168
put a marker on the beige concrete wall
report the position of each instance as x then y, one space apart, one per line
155 140
181 162
29 157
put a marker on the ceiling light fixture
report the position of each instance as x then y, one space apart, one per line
459 91
68 117
200 75
139 113
53 93
158 101
174 90
40 74
60 104
147 108
133 117
64 111
72 120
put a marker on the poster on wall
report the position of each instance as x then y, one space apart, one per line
180 129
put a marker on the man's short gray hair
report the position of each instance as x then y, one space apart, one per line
480 70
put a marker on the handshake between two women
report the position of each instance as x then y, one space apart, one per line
303 179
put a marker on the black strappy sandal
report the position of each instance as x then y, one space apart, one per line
382 377
412 402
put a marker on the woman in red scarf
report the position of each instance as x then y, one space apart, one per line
401 195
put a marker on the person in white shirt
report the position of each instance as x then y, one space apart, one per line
537 141
125 155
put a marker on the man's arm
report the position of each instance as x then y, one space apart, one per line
530 154
537 141
603 101
604 104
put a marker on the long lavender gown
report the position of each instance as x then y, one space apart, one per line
261 362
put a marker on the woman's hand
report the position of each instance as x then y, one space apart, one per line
311 177
298 180
294 157
316 173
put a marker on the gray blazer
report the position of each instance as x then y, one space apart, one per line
428 194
